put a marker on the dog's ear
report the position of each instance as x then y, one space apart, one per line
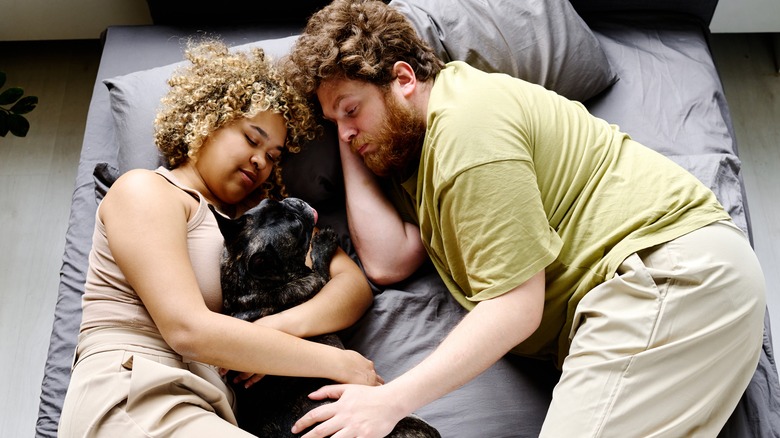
228 227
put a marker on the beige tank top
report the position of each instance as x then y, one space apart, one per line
109 301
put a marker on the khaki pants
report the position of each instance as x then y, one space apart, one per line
667 347
129 383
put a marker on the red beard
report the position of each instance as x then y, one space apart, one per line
398 141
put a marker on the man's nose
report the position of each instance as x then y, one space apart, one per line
346 133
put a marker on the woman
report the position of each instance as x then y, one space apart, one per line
151 320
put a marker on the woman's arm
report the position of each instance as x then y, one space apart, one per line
146 224
389 248
337 306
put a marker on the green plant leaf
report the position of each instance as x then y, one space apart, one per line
18 125
11 95
3 123
25 105
2 78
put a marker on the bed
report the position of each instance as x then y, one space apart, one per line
644 65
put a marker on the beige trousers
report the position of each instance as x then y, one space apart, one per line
667 347
129 383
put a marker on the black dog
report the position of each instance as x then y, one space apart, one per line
263 271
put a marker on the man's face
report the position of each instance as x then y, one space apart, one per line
377 124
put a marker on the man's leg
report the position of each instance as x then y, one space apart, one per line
666 347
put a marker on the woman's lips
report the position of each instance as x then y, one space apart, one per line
250 176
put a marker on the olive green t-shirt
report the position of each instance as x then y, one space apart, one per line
514 179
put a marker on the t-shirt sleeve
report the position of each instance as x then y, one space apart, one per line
495 233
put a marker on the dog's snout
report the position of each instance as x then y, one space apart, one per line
302 207
296 204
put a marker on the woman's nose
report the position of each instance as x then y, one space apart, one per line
258 161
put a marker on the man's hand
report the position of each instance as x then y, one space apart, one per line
484 335
361 411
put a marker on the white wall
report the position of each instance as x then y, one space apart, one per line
22 20
746 16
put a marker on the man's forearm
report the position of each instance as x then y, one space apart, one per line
484 335
389 248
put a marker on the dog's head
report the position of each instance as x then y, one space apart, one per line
271 240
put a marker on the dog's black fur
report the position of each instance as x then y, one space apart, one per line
264 271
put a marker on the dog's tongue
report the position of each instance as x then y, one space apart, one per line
315 215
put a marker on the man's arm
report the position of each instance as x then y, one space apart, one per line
389 248
484 335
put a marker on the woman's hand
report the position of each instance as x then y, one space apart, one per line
248 379
358 370
361 411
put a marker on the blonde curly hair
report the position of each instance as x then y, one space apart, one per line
218 87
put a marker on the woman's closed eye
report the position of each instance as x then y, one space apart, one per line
274 158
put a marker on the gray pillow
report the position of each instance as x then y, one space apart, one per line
540 41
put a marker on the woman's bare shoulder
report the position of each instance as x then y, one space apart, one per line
141 188
138 176
139 182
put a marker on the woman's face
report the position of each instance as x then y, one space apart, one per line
237 158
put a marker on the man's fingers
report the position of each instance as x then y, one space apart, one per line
321 414
317 415
330 391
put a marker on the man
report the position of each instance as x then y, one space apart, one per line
564 238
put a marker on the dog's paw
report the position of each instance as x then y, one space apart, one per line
323 248
326 236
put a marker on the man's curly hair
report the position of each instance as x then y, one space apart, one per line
218 87
360 40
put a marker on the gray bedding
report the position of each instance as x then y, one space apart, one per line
668 97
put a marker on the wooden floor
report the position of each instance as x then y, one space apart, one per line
37 175
748 69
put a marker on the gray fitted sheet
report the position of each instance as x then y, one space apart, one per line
669 97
